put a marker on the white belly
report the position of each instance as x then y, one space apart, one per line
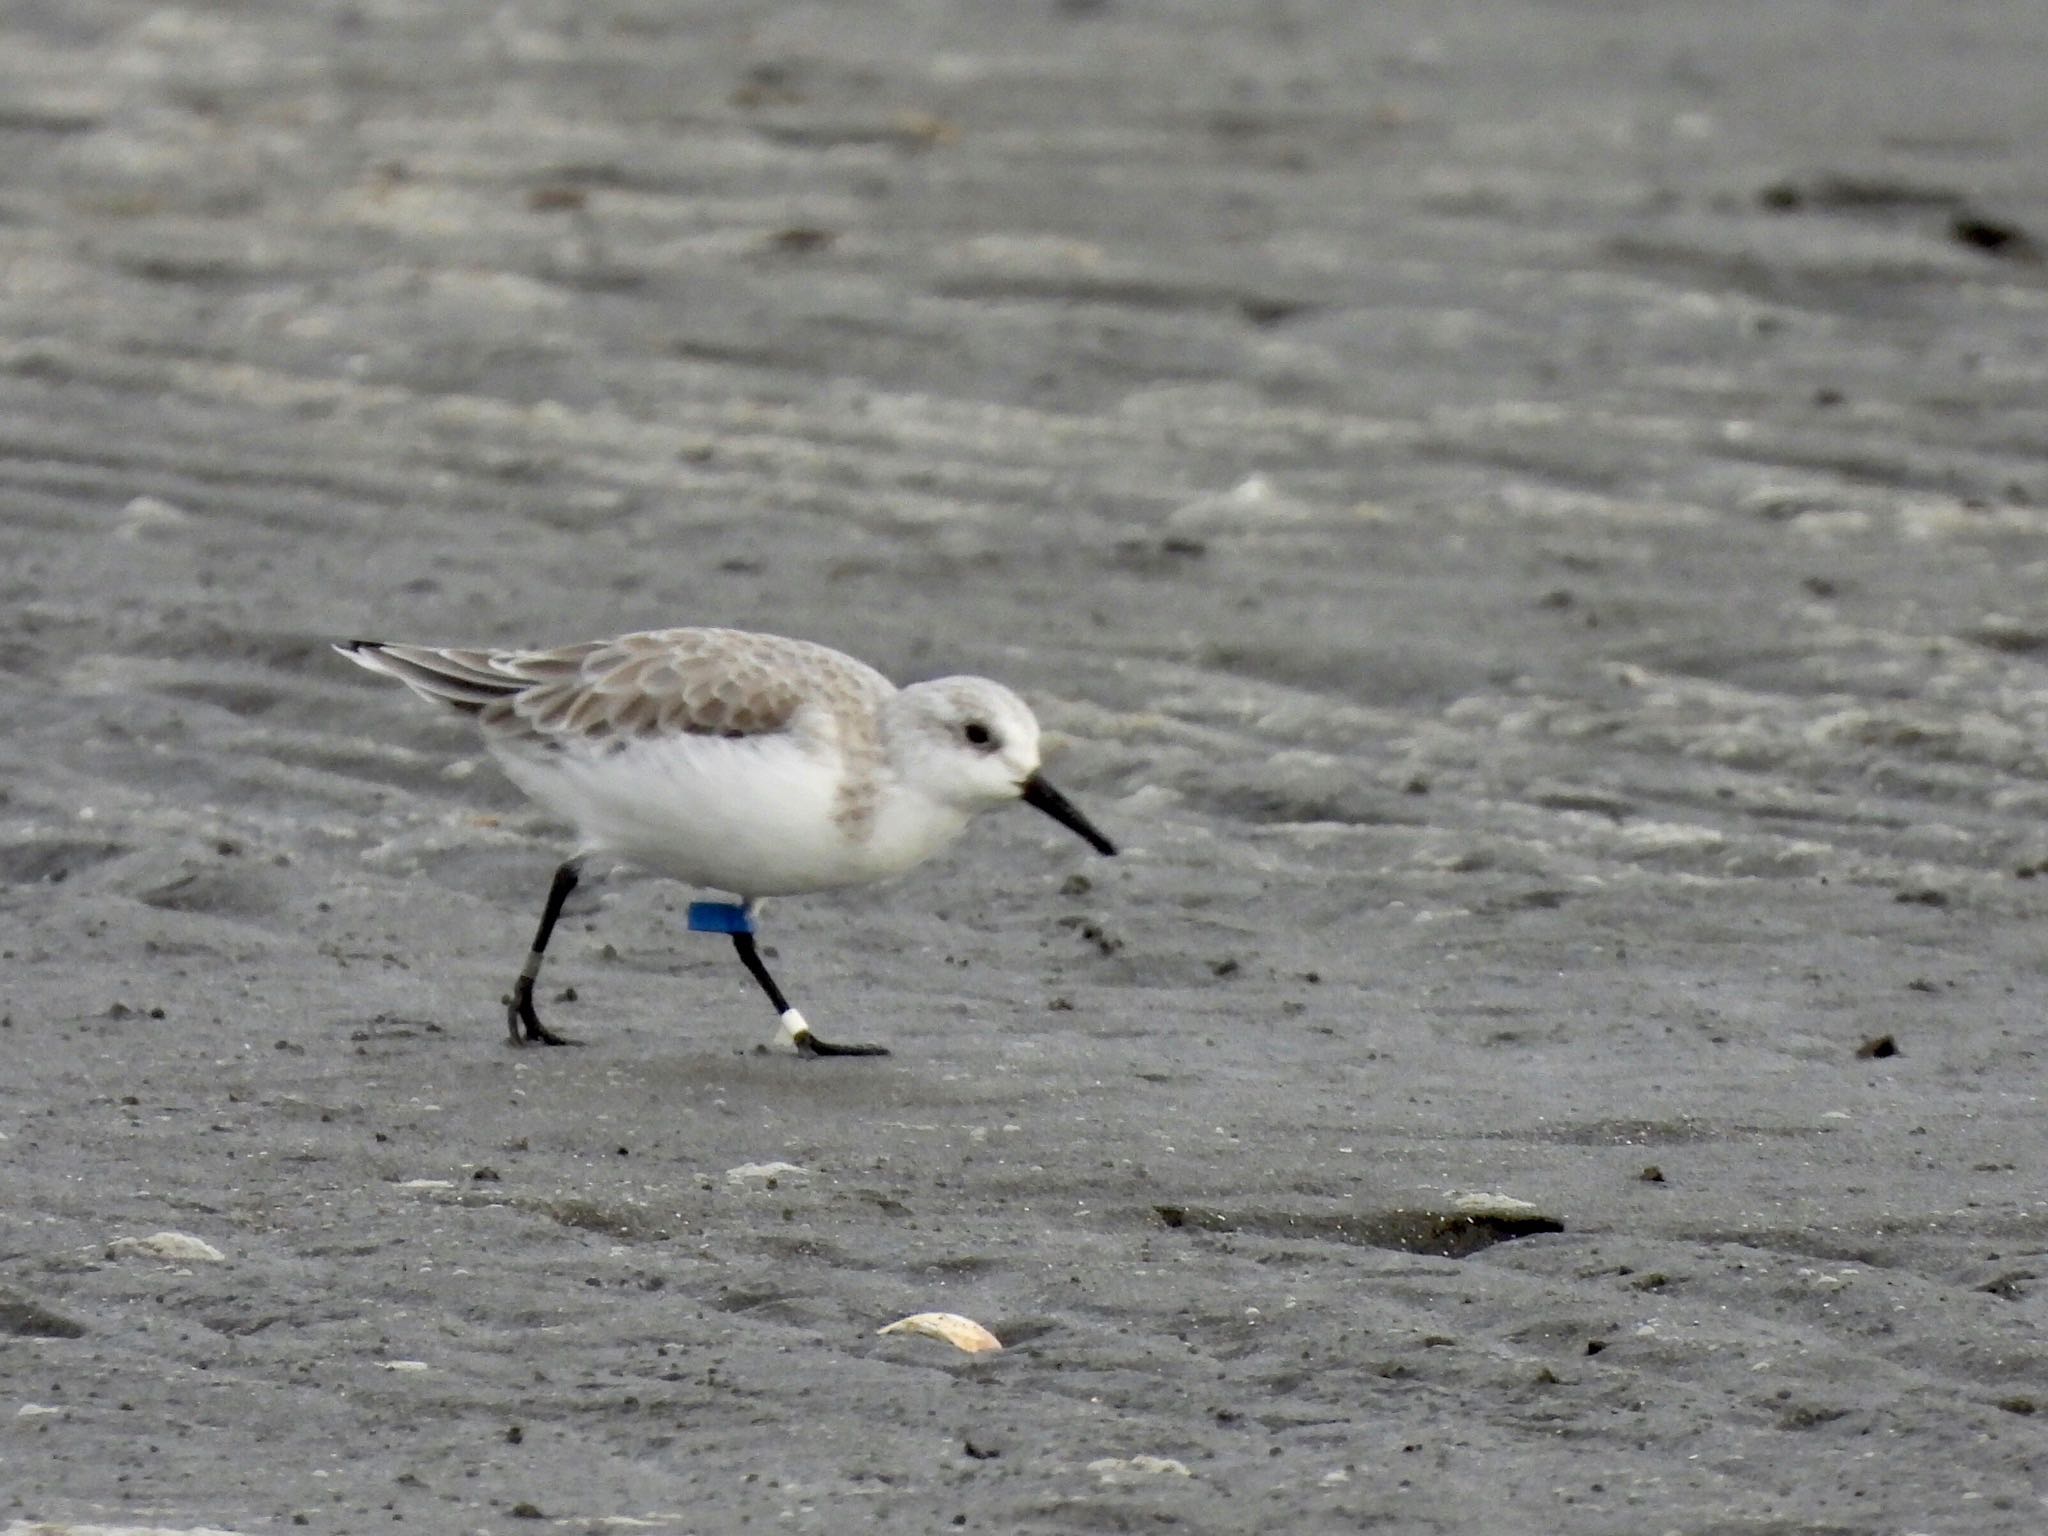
755 816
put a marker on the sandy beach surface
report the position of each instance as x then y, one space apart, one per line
1529 521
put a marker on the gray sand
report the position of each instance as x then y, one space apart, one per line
1531 517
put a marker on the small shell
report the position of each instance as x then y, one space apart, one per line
172 1247
770 1174
1498 1207
963 1333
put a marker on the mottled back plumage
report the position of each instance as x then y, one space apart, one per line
693 682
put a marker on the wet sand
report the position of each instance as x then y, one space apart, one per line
1529 520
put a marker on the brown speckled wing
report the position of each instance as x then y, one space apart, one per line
688 682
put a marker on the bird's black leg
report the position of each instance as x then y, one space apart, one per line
520 1017
793 1025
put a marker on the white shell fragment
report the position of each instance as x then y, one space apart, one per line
1499 1207
963 1333
1253 503
765 1173
1126 1469
172 1247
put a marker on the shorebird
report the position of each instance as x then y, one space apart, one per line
737 762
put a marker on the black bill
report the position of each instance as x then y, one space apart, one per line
1042 796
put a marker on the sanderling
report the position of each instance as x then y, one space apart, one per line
738 762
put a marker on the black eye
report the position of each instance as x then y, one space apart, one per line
978 735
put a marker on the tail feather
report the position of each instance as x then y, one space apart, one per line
453 677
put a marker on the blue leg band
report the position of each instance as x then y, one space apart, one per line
720 917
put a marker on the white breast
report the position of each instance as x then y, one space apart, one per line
755 816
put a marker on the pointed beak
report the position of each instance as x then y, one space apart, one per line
1042 796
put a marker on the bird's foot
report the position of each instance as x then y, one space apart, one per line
524 1022
798 1033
